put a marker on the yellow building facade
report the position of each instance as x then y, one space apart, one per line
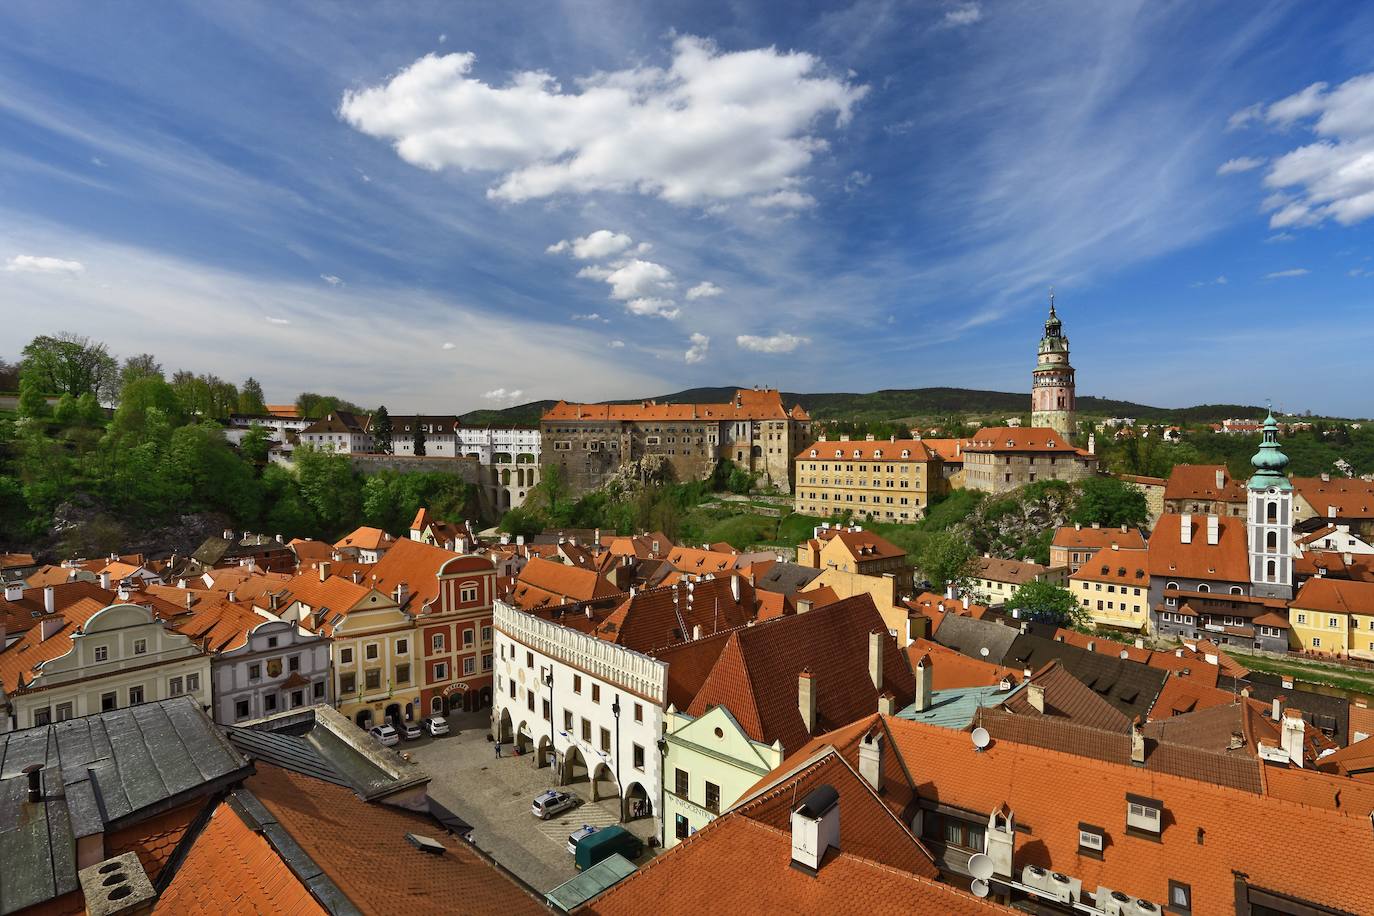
1113 586
890 480
1333 617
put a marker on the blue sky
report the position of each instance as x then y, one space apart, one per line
452 205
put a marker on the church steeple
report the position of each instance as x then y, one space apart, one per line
1270 462
1269 525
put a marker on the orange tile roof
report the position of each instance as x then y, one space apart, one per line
659 617
1023 439
365 538
231 868
335 594
1181 695
417 566
311 551
951 670
11 560
697 560
1341 596
756 674
22 658
1067 698
548 582
1355 761
950 451
1074 537
24 612
1361 718
863 545
748 404
1353 498
1125 567
343 833
1199 481
220 625
863 450
1225 561
1015 571
154 839
49 575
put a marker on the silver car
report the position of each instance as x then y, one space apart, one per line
552 803
578 836
385 734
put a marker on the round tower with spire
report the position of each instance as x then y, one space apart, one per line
1270 520
1052 384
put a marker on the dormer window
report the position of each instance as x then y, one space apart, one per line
1144 816
878 453
1091 840
813 453
857 453
906 453
1049 443
839 453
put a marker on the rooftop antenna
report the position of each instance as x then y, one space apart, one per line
1051 300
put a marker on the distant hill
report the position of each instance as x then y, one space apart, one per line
898 403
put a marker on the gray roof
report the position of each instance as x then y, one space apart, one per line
100 773
1130 686
787 578
968 635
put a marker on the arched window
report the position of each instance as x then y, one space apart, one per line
1237 590
813 453
1271 540
1271 571
906 453
1203 587
1271 511
1171 585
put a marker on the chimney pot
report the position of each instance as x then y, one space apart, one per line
34 772
1035 693
49 599
1186 528
806 699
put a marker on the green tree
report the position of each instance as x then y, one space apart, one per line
135 401
32 402
89 411
1049 603
554 488
65 413
522 522
251 399
1109 502
946 559
71 364
419 437
330 489
381 431
289 515
741 481
144 365
256 443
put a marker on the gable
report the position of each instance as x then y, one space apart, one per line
717 732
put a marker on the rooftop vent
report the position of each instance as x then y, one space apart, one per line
117 885
426 844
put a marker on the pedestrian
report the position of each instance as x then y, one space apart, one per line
498 750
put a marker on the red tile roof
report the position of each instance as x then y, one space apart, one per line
1015 571
548 582
1353 498
765 404
1124 567
1199 482
659 617
1225 561
417 566
231 868
365 538
25 611
877 450
1068 698
1181 695
696 560
219 625
362 848
1074 537
1341 596
863 545
155 839
1018 439
950 669
756 674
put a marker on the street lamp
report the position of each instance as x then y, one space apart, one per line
615 711
553 753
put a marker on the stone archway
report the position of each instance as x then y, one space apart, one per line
636 803
544 753
574 769
603 783
524 740
393 716
364 719
505 729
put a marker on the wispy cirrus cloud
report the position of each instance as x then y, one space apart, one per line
1287 274
1240 164
781 342
39 264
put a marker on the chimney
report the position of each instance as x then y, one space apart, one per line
1185 530
232 596
49 626
806 699
324 570
1278 709
871 758
1213 530
105 580
1330 511
49 599
966 602
519 540
1294 731
1348 558
875 658
1036 694
887 704
1326 476
118 886
734 588
1077 526
1097 525
815 828
357 576
14 591
949 593
1221 478
803 605
34 772
1137 742
922 672
696 632
190 599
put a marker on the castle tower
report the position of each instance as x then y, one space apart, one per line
1052 397
1269 525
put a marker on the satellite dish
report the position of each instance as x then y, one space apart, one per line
979 887
1125 654
983 652
980 866
981 738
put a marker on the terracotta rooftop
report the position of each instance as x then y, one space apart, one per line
1341 596
654 618
417 566
1225 561
24 612
1199 482
1123 567
1019 439
950 669
545 583
1066 697
220 625
863 450
765 404
1091 537
862 545
697 560
1018 572
365 538
1353 498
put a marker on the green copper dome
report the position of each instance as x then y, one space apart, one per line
1269 462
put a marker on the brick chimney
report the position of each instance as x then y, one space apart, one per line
806 699
922 672
875 658
871 758
324 570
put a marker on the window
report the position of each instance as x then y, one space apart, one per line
293 663
192 683
174 687
1331 622
348 683
596 693
953 831
1302 618
102 653
586 730
712 798
639 707
681 783
109 701
486 635
346 656
606 740
441 673
42 716
529 659
467 640
548 711
317 691
372 678
467 594
370 653
1090 840
486 661
140 646
403 674
1316 642
436 642
297 698
529 700
1180 894
1143 814
638 757
470 665
402 646
64 711
255 672
241 709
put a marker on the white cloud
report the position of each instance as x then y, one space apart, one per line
37 264
855 180
1331 178
697 351
449 345
277 321
1281 237
964 14
331 280
603 243
649 305
711 126
1219 281
443 37
590 316
503 396
98 162
703 290
787 199
1281 274
1245 117
778 343
616 344
1239 164
645 287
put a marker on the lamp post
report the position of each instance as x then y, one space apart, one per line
615 711
553 753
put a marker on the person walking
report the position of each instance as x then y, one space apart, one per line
498 750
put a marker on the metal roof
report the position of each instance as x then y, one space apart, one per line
957 707
596 880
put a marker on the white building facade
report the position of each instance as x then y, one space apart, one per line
513 453
589 708
279 667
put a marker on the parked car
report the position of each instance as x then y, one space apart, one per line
410 731
605 843
552 803
385 734
436 726
578 836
